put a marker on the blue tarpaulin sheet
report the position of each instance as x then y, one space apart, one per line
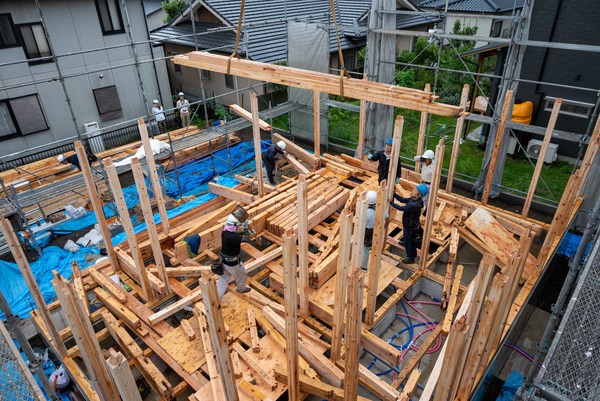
510 386
569 244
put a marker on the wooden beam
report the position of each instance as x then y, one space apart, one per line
123 377
240 111
118 308
295 163
253 182
410 385
317 121
326 83
452 301
353 324
216 383
374 265
159 259
252 391
170 310
231 193
79 287
253 330
457 138
395 158
255 366
317 387
156 188
96 202
188 329
302 195
541 156
362 121
257 146
140 269
422 132
506 106
32 285
218 335
262 260
291 311
301 154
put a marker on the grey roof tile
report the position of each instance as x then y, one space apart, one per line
475 6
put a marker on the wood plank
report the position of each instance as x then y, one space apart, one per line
302 196
257 145
123 377
240 111
231 193
457 138
317 387
354 324
394 157
211 361
374 264
254 365
317 122
410 385
252 391
291 311
253 330
188 329
298 151
118 308
170 310
422 132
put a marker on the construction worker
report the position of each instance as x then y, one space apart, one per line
383 157
427 162
270 156
159 115
74 160
369 225
183 105
411 222
231 239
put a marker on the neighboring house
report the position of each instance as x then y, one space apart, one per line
486 27
155 15
34 111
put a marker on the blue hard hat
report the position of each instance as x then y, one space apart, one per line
389 141
422 188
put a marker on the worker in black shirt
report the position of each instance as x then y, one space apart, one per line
384 157
74 160
269 157
231 240
410 219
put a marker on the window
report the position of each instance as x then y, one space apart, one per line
8 35
34 40
108 103
496 29
349 61
205 74
21 116
570 107
229 81
109 14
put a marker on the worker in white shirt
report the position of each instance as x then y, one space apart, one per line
184 110
427 160
369 226
159 116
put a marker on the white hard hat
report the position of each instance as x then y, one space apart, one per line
60 158
428 154
232 220
181 94
155 101
371 197
281 145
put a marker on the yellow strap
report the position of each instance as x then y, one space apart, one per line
343 70
237 37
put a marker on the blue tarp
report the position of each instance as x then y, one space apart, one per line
13 285
569 244
510 386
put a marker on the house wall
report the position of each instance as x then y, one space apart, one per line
156 19
484 26
73 25
407 42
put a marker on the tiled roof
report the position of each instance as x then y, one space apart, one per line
151 6
474 6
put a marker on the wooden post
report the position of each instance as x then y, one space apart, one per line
498 142
123 377
78 284
291 314
395 157
354 324
115 185
257 147
85 338
32 285
218 336
96 203
541 156
433 189
374 265
158 195
303 244
362 118
345 240
159 260
317 122
211 360
422 131
457 138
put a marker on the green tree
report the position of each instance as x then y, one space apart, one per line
173 8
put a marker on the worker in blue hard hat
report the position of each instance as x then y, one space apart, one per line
411 223
384 157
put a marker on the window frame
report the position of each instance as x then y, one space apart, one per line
231 77
496 30
14 31
568 105
15 121
113 31
102 115
30 59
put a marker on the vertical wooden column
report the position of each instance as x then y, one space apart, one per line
362 121
159 260
79 287
115 185
85 337
317 122
257 147
354 324
303 244
395 157
123 377
541 156
422 131
96 203
160 201
374 266
216 383
457 138
341 279
218 336
32 285
433 189
497 144
291 314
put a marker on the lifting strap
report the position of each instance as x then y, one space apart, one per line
343 70
237 37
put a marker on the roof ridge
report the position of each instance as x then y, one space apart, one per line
493 5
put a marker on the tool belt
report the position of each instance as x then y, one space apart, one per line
229 260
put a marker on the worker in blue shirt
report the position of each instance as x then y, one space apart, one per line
411 222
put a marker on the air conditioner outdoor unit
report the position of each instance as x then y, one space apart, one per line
93 133
533 150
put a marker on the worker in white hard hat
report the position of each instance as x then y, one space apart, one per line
184 109
270 156
74 160
427 160
231 240
369 225
159 115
